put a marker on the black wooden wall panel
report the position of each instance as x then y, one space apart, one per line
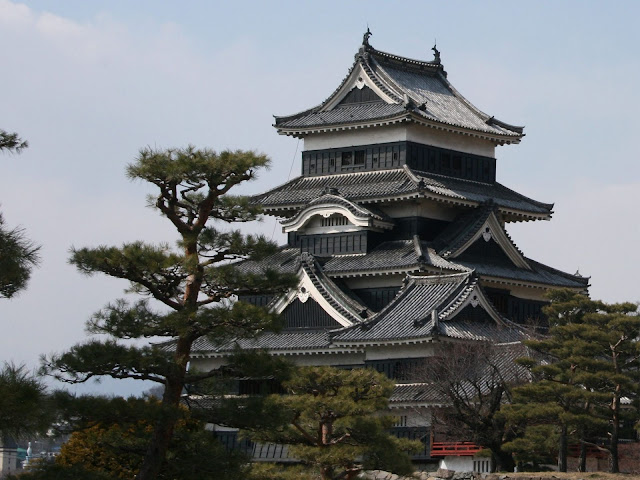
307 315
440 161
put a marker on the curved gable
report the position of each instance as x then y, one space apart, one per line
333 206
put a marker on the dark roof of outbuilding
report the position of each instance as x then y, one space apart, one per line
416 91
387 185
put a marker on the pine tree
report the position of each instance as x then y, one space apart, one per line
195 284
12 142
115 444
334 422
25 407
18 255
589 363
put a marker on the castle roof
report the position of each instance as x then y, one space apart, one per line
402 183
381 88
429 306
394 256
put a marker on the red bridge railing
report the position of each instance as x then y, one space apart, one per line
458 449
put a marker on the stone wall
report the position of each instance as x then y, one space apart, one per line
446 475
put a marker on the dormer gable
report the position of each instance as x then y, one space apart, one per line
332 213
472 231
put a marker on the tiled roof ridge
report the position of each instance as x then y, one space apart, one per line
433 279
360 59
506 321
489 120
369 322
373 62
463 227
570 276
408 64
329 290
458 296
426 246
434 66
420 113
351 205
548 206
409 183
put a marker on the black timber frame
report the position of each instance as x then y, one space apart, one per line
383 156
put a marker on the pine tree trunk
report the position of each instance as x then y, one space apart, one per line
615 433
562 450
163 429
503 461
582 464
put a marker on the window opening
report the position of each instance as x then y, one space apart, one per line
334 220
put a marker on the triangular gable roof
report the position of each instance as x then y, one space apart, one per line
427 307
315 284
330 203
408 90
402 183
479 224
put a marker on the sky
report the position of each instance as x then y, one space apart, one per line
90 83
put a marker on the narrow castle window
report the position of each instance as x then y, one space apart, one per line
334 220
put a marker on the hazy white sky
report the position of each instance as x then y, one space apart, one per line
89 83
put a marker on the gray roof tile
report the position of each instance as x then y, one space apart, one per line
287 340
408 316
393 255
419 91
539 273
389 184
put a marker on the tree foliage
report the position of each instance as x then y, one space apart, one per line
587 364
117 448
475 380
25 407
11 142
18 254
188 292
334 422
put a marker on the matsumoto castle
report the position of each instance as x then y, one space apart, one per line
397 231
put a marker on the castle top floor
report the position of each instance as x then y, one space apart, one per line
386 98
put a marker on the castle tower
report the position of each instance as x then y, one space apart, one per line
397 231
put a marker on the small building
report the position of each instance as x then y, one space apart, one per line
8 456
397 232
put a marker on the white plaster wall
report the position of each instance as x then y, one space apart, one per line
206 364
397 133
8 461
415 417
458 464
454 141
